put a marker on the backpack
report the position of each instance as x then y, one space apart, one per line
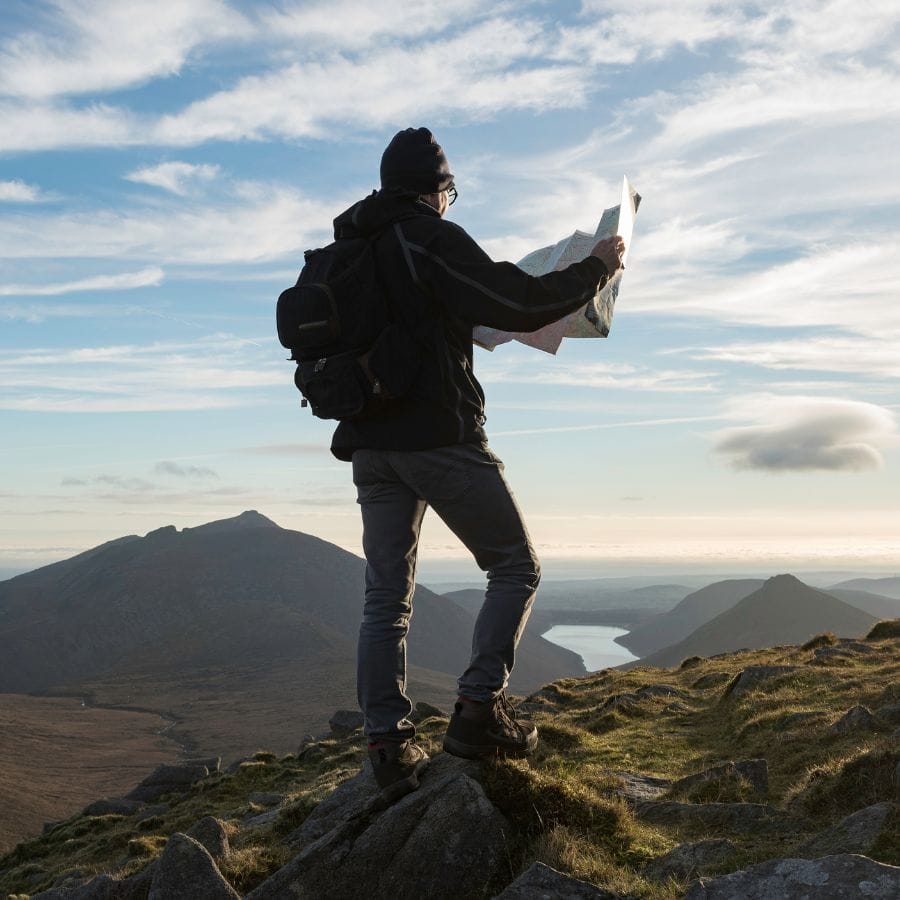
352 359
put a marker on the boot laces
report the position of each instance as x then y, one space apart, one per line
506 713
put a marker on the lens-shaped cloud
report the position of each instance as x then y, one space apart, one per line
797 434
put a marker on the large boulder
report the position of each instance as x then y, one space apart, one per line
210 832
829 878
541 882
447 833
345 721
857 718
688 860
100 887
168 780
857 833
186 869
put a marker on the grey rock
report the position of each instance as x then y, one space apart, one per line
753 676
756 771
843 877
352 796
262 820
636 788
150 811
858 647
677 707
425 711
857 718
823 655
100 887
888 715
345 721
167 780
730 818
856 833
689 860
186 869
311 751
265 798
49 826
447 833
112 805
210 832
540 882
711 679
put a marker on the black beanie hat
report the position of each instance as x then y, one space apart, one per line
414 161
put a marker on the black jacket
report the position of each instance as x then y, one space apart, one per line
442 283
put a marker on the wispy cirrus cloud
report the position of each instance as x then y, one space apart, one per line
148 277
175 176
802 434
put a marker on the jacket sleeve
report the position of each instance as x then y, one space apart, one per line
497 294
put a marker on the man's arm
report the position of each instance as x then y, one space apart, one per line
498 294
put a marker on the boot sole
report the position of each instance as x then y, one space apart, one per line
405 785
486 751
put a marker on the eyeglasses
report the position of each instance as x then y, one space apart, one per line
451 195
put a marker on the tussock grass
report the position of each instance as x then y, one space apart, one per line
826 639
889 628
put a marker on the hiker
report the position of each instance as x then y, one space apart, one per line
429 448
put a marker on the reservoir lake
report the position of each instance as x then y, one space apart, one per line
594 643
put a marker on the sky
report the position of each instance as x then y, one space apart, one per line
164 164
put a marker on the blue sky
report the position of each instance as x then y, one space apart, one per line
164 164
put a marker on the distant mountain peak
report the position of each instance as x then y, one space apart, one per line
784 580
248 519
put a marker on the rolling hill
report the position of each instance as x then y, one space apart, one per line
784 610
695 609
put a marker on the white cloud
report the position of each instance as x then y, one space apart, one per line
807 434
212 372
19 192
254 223
149 277
168 467
176 177
103 45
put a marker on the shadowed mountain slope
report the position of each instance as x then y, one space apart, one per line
223 607
784 610
701 606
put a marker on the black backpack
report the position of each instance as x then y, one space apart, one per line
352 359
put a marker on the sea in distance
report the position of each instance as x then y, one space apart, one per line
594 643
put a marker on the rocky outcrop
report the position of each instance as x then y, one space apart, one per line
754 771
830 878
634 787
754 676
169 780
370 848
345 721
689 860
857 833
210 832
542 881
186 869
857 718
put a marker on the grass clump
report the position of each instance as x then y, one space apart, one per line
826 639
841 786
889 628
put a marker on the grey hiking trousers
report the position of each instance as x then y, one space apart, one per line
464 485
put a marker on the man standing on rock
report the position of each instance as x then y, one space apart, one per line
429 448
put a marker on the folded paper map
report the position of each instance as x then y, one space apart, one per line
595 317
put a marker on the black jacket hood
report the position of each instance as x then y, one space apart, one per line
377 210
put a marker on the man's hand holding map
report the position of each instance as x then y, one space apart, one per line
595 317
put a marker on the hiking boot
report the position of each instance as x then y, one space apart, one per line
397 766
478 730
